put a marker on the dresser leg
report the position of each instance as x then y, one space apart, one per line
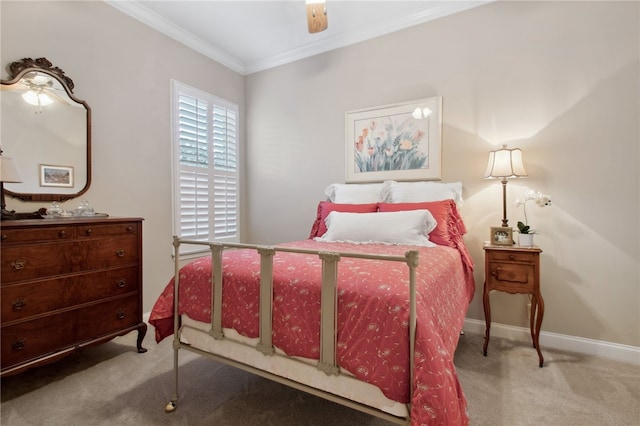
487 318
142 331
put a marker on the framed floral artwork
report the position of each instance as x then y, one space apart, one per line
399 142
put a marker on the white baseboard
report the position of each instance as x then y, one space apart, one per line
563 342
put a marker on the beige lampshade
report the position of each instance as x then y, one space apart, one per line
8 172
505 163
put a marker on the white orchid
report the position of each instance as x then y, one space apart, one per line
537 197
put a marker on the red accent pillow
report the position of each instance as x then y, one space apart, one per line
325 207
449 226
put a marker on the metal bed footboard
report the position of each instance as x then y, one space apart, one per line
328 316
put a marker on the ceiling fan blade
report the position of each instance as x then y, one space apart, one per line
316 16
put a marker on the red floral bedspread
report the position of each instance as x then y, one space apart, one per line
373 315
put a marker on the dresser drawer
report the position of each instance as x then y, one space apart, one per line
512 256
97 230
39 234
25 341
20 263
21 301
36 261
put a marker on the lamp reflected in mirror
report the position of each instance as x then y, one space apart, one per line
9 174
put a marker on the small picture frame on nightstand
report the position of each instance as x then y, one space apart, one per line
501 236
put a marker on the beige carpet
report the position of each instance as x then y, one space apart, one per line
112 384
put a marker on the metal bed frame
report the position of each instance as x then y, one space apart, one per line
328 317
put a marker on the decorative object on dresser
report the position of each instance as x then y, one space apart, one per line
68 283
505 163
515 270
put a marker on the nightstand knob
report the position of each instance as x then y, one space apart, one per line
62 234
512 257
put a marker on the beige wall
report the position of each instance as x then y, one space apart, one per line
559 80
122 68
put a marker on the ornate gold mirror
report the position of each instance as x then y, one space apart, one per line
46 131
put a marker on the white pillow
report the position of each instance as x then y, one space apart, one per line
419 192
410 227
354 193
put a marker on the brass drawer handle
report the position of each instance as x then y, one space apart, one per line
122 283
129 228
18 345
18 264
4 237
89 231
121 315
120 253
62 234
18 304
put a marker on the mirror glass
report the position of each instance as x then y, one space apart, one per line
46 131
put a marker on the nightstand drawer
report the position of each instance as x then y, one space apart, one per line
512 256
514 278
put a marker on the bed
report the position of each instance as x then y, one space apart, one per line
369 323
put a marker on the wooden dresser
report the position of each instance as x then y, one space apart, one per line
66 284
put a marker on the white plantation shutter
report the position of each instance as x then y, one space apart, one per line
206 166
225 172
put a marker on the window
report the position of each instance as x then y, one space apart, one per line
205 147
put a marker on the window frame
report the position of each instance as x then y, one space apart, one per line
178 88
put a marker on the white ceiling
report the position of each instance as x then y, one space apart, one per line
249 36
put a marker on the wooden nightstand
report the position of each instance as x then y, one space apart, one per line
515 270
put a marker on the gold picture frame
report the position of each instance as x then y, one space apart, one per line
501 236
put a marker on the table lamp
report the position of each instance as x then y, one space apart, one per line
504 164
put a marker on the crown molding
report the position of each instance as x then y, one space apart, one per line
157 22
439 9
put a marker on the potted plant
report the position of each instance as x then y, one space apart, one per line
525 233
